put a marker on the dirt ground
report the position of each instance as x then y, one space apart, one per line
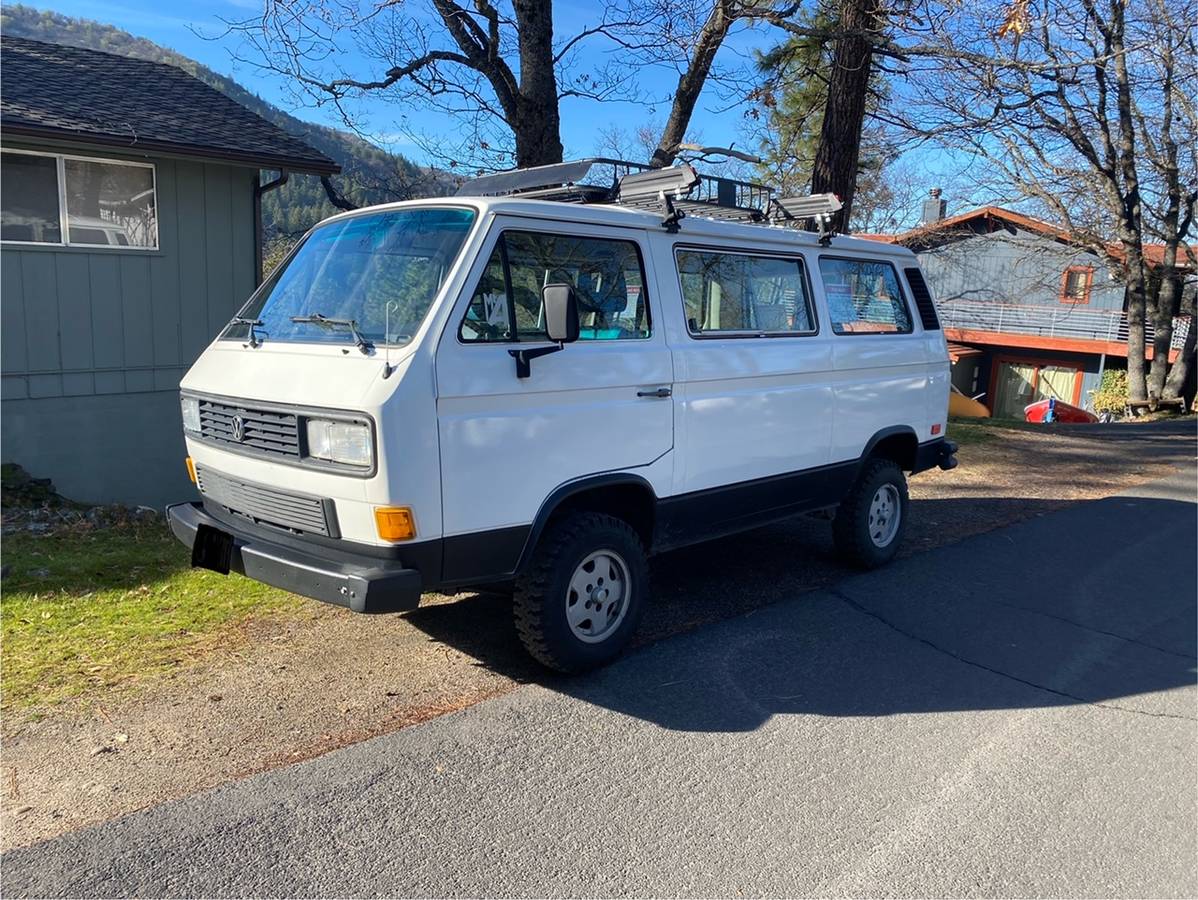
329 678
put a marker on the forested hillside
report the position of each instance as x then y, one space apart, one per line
370 175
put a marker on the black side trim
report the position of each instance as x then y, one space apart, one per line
923 299
569 489
883 434
715 512
483 556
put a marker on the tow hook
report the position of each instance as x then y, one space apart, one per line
948 457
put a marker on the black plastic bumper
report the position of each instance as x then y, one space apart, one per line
371 586
938 453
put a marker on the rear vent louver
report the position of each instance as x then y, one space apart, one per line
923 299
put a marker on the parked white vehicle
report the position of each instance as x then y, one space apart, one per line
536 395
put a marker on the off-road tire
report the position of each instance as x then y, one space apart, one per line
851 528
539 600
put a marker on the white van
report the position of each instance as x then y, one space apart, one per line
534 395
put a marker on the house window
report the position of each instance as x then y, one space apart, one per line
1075 284
77 201
1018 382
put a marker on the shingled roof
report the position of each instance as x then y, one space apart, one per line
56 91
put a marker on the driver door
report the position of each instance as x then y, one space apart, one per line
601 404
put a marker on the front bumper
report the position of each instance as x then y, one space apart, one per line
367 584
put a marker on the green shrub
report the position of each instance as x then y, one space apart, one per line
1111 395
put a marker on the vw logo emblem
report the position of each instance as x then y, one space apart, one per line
238 429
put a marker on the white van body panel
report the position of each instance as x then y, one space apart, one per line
507 443
745 407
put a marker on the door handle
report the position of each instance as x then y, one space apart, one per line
660 393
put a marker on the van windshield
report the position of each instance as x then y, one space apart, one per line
381 270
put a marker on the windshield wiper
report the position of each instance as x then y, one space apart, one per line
325 322
253 323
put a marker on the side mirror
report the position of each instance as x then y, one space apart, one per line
561 312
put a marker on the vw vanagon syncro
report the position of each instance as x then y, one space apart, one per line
537 384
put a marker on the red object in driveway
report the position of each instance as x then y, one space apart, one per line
1057 411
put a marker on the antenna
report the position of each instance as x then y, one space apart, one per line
387 367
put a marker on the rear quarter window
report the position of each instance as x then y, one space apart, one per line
864 297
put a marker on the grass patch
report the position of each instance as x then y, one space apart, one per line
90 610
982 431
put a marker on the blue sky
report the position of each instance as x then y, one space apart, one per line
175 25
194 29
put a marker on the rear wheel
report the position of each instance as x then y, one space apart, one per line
872 517
580 598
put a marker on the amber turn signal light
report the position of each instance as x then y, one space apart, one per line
191 469
395 523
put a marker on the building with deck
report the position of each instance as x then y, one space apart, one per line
129 234
1029 312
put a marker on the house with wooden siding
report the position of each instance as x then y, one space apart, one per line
129 235
1029 311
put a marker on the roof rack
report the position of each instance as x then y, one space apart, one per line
819 207
676 191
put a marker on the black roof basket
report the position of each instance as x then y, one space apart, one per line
676 191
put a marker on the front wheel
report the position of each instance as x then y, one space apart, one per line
872 517
579 600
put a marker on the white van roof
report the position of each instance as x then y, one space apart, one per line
692 226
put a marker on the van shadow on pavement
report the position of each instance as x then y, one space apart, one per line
1090 604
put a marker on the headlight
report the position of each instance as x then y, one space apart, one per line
191 414
340 442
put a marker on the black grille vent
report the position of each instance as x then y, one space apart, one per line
269 432
923 300
267 505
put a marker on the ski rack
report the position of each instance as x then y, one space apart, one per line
819 207
659 187
676 191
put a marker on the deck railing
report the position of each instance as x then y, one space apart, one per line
1077 322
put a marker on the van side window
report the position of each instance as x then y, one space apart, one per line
739 293
606 275
864 297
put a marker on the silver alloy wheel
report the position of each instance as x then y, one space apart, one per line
597 598
885 510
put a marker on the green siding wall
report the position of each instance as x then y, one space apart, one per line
81 324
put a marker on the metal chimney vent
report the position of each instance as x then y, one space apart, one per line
933 208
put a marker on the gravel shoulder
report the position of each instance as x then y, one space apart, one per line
301 686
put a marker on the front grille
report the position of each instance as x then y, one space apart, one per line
270 432
267 505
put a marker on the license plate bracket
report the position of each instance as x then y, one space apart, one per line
212 549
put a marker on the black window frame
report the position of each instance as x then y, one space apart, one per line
898 283
501 245
804 268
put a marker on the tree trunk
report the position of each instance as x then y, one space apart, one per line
1168 299
1176 381
837 154
1137 387
537 126
1131 213
690 84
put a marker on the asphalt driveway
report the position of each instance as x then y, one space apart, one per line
1014 714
